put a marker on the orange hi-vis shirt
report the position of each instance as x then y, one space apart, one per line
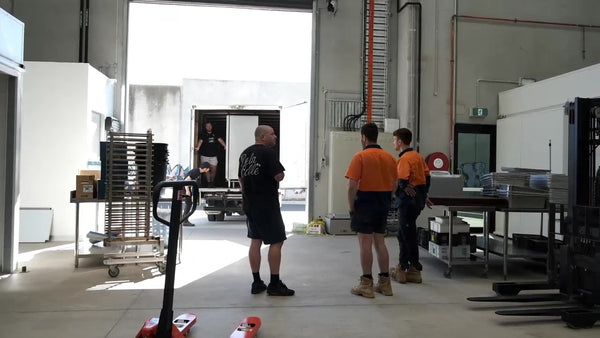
374 169
412 167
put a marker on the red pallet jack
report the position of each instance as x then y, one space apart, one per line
248 328
166 326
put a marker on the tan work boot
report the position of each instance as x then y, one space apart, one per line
413 275
398 274
365 288
384 286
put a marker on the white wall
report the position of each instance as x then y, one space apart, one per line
533 115
343 146
57 105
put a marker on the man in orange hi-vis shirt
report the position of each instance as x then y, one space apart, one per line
410 199
371 183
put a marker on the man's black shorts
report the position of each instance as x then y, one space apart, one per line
265 223
369 220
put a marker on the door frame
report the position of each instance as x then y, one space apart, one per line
465 128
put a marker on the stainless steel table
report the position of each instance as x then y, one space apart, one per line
77 201
472 203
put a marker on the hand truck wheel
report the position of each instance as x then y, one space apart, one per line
113 271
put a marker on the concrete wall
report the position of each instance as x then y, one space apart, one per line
157 108
485 50
51 29
52 33
6 5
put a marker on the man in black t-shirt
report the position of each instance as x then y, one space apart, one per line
260 173
208 146
193 175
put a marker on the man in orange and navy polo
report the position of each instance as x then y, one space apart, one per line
371 182
411 198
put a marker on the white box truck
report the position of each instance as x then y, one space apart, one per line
236 127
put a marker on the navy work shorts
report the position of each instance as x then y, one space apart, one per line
367 220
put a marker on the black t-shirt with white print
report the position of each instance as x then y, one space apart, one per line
210 144
257 168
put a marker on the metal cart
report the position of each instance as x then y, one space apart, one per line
129 203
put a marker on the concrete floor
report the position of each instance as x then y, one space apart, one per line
53 299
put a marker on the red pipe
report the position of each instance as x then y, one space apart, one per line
535 22
370 62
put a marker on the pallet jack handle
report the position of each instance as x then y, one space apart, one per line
178 189
165 326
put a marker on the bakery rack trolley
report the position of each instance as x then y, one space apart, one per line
129 203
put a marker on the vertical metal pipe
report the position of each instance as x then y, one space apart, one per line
370 62
81 28
454 42
314 102
415 96
86 23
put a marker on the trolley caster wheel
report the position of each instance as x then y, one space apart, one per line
113 271
162 267
448 273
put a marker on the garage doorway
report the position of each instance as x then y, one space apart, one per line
176 52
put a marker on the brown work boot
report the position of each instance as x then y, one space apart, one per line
398 274
413 275
384 286
365 288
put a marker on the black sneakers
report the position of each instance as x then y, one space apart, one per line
279 289
258 287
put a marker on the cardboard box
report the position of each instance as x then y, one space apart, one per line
96 173
441 251
445 227
443 238
85 186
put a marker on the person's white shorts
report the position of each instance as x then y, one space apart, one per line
212 160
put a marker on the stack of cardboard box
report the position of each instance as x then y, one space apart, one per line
439 229
86 184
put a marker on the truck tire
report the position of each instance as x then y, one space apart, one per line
220 217
212 218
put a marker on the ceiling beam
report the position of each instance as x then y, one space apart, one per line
281 4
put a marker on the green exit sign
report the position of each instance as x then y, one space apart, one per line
479 112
